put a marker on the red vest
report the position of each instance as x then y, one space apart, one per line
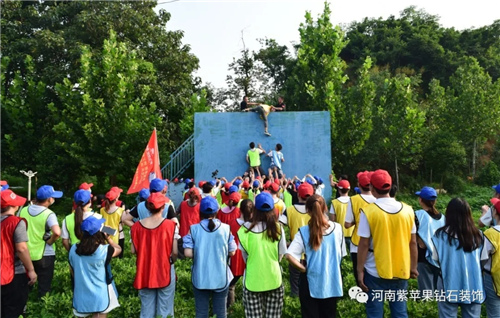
153 248
237 263
189 215
228 217
8 226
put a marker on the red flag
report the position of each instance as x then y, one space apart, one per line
148 168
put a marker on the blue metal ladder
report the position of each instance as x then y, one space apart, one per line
180 160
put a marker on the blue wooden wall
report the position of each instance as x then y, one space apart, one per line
222 139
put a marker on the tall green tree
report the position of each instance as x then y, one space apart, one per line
398 124
472 105
53 32
318 76
107 116
354 118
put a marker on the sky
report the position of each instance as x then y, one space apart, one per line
214 29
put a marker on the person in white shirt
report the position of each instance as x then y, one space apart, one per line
387 250
486 218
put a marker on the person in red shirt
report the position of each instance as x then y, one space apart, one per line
17 270
230 211
237 264
154 243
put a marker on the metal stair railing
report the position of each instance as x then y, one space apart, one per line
180 160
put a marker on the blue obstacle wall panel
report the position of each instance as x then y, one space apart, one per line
221 141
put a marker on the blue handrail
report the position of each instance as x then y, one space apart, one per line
180 159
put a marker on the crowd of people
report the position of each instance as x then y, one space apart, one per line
236 230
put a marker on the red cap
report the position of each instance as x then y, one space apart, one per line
267 185
116 189
245 184
494 201
274 187
257 177
381 180
235 197
344 184
305 190
200 184
158 199
176 180
364 179
227 185
3 182
9 198
112 195
277 181
86 186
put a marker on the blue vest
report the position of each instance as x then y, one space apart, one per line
460 271
210 256
426 229
91 289
323 266
143 211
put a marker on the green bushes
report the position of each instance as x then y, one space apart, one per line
489 175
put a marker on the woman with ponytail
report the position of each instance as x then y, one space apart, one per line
71 231
457 249
210 243
94 291
427 220
112 213
322 241
263 244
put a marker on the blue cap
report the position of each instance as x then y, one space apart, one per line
232 189
92 225
209 205
213 183
144 194
264 202
47 191
297 184
357 190
497 188
5 187
256 183
81 196
157 185
318 179
237 182
187 181
308 180
427 193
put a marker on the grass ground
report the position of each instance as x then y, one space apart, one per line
59 302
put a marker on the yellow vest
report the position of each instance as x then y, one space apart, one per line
391 235
340 212
296 220
113 220
493 236
280 206
244 194
357 203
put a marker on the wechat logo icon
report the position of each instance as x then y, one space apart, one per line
358 294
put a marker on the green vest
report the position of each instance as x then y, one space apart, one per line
36 231
252 195
254 157
263 271
287 197
70 226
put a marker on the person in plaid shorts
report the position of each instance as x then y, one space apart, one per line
263 244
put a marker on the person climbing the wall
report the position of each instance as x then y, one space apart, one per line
263 110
